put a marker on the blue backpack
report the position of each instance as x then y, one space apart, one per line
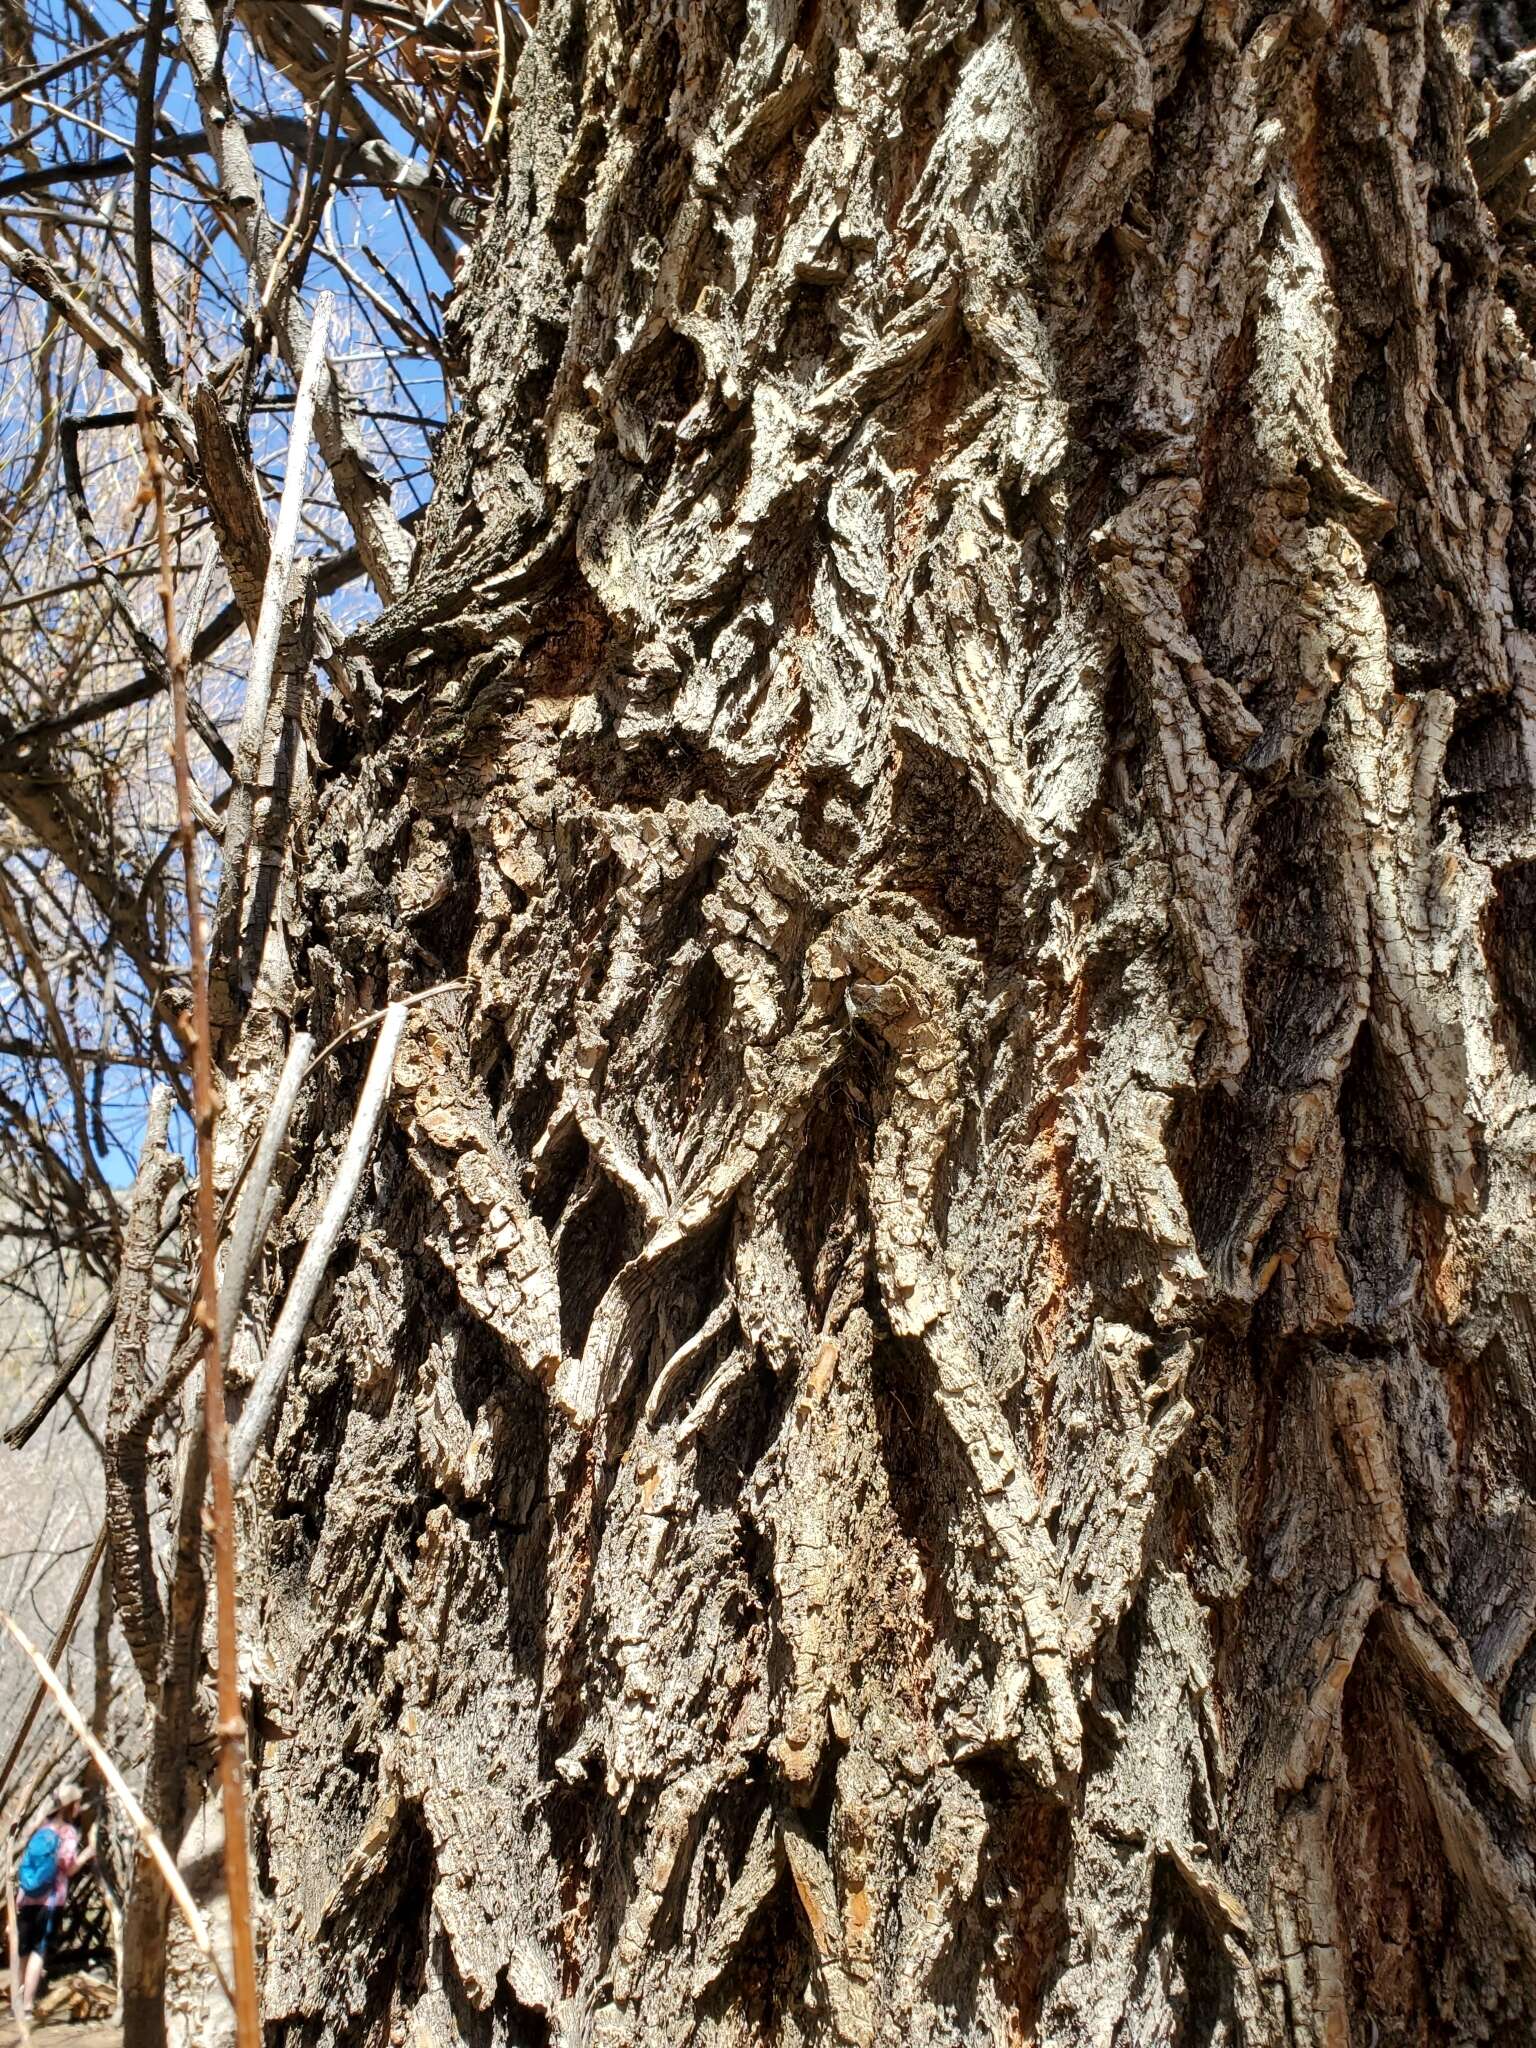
39 1862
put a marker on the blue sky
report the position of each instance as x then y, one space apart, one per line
374 238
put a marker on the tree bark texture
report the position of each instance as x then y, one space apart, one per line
925 1429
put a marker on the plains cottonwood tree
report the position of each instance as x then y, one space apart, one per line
925 1429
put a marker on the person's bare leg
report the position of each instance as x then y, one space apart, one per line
31 1979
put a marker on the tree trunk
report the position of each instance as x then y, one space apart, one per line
925 1429
162 1633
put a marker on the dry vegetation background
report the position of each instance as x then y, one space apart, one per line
136 259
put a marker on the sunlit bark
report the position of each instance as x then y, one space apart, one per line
925 1431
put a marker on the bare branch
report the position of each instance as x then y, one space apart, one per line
62 1634
258 688
1507 141
197 1926
143 156
261 1404
251 1216
362 492
38 275
133 1562
200 1034
108 46
371 161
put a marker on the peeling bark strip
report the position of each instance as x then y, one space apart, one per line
922 1429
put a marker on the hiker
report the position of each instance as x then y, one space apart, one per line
52 1856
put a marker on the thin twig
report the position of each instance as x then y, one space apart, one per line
183 1356
264 645
62 1634
366 1023
372 161
143 222
197 1926
123 698
305 44
20 1433
246 1232
76 58
332 574
361 489
261 1404
274 596
493 118
287 271
33 270
14 926
111 582
231 1722
13 1947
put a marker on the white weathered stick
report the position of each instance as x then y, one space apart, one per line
239 818
274 593
247 1230
143 1827
286 1338
18 2011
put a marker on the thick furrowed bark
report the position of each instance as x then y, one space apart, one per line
926 1430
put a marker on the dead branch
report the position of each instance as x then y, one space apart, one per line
143 156
265 1394
1507 141
197 1926
37 274
362 492
248 1229
133 1561
200 1034
59 1645
264 645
